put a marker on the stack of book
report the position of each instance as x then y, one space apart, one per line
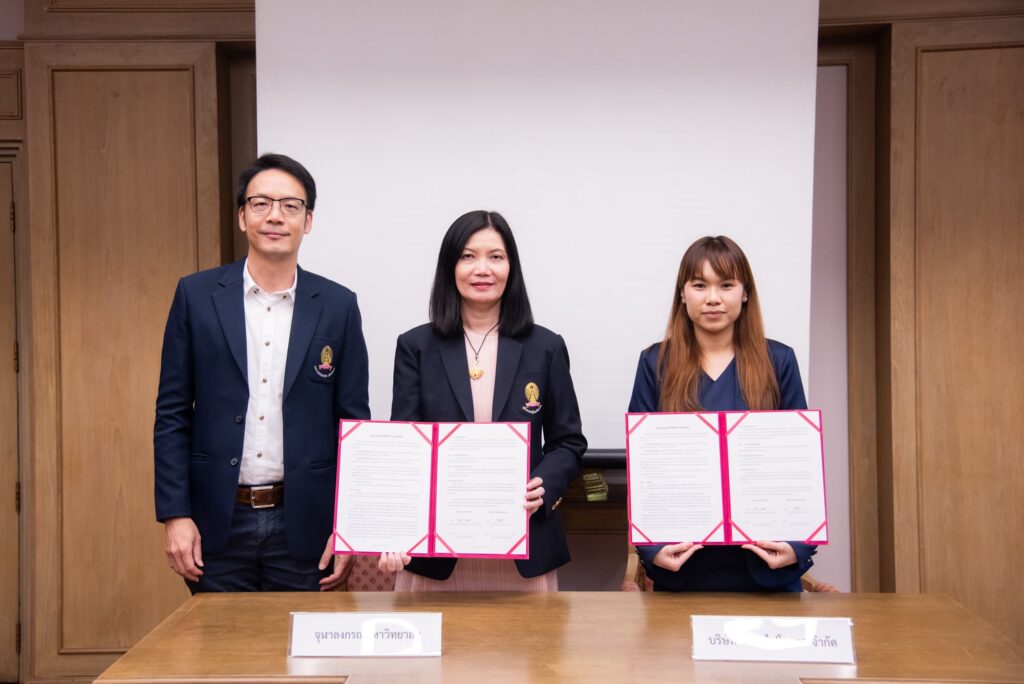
589 486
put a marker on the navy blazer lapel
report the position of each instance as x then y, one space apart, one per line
305 318
229 302
453 356
509 352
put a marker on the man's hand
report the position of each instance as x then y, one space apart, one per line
672 556
341 563
183 548
775 554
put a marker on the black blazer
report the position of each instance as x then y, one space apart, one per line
204 393
432 384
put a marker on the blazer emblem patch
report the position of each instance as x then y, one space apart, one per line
532 393
326 368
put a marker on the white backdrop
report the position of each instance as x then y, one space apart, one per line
610 134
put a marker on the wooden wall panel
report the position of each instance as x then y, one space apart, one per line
9 559
970 257
119 19
954 215
12 188
900 472
12 93
136 6
879 12
242 83
130 131
883 316
125 199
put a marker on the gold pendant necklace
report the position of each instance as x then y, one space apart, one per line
476 372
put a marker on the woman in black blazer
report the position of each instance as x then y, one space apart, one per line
481 358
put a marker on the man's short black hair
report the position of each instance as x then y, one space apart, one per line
282 163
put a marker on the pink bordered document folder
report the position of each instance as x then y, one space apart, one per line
729 477
432 489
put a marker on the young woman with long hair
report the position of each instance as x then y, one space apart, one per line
715 357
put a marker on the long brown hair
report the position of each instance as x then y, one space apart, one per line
679 360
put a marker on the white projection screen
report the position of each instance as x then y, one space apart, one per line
610 134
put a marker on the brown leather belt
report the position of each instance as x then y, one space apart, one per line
260 496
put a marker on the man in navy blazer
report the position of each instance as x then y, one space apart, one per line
260 361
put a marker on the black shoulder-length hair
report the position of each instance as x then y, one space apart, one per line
445 301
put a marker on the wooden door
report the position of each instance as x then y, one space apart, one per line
8 435
125 199
956 255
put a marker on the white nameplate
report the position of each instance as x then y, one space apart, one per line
779 639
365 634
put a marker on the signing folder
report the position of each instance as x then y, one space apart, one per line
432 489
730 477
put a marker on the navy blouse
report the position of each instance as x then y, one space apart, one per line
724 568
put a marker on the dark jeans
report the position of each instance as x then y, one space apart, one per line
256 557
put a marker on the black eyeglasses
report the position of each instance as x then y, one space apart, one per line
290 206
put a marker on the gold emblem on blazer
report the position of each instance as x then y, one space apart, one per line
532 393
326 368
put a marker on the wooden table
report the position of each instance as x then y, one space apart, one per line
569 636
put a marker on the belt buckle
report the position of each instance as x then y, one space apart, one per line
259 488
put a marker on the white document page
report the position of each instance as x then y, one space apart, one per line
482 471
674 478
776 476
383 494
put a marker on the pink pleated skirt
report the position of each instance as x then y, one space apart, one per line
479 574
